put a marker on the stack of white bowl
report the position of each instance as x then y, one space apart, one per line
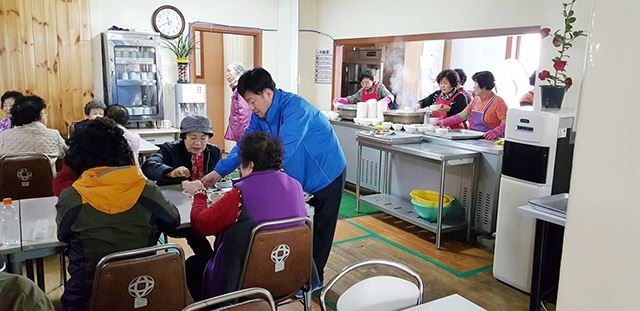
372 108
361 110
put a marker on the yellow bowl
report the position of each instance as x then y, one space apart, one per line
429 198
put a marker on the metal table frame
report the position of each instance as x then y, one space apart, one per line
466 157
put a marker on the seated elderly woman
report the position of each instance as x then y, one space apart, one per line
6 102
189 158
30 134
264 193
110 208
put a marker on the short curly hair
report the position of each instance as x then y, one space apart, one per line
117 113
98 142
365 74
264 151
485 80
450 75
27 109
10 94
462 75
94 104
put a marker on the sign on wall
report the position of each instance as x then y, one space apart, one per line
324 63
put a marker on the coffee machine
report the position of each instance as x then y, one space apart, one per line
191 98
537 160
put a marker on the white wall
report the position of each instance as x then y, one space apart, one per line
137 15
601 253
346 19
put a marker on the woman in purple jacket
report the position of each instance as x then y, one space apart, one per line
240 114
264 193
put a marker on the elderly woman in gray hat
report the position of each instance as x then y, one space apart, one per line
240 113
189 158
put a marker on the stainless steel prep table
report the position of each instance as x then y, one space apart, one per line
403 209
488 170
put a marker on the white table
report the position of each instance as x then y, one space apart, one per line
453 302
38 238
147 148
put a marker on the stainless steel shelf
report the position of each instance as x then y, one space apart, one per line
402 209
135 60
122 82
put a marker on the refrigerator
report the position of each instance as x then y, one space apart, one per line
131 62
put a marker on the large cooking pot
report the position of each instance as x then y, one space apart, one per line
347 112
404 117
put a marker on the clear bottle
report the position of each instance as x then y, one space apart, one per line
9 224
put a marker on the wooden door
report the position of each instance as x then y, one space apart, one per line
213 77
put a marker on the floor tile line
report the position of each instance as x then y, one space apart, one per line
457 273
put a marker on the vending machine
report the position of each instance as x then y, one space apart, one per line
131 76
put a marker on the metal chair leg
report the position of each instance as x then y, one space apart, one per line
63 269
307 300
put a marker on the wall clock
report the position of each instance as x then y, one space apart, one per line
168 21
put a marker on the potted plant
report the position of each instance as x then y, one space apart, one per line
559 82
181 47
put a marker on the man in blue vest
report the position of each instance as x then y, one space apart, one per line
312 153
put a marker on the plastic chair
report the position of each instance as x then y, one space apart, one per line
280 259
141 278
25 176
378 292
259 299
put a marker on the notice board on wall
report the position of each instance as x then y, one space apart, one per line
324 64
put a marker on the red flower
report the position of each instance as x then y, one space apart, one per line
559 65
544 32
569 82
556 42
543 75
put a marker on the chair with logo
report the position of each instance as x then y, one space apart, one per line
25 176
253 299
279 259
381 292
149 278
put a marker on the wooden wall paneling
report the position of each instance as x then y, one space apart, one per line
12 37
85 48
53 65
73 106
40 36
4 65
26 44
64 73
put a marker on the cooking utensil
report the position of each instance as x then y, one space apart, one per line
404 117
347 112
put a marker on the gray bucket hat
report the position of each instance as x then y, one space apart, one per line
196 123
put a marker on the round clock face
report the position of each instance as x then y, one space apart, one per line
168 21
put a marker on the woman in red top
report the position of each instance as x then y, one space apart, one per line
448 100
487 112
370 90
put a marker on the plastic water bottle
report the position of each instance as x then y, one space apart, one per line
9 224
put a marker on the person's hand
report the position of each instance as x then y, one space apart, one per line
439 123
179 172
192 186
210 179
490 135
341 100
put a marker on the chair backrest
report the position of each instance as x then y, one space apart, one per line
279 259
25 176
259 299
141 278
379 262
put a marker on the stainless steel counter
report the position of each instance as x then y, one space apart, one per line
409 170
394 204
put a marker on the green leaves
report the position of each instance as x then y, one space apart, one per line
180 47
